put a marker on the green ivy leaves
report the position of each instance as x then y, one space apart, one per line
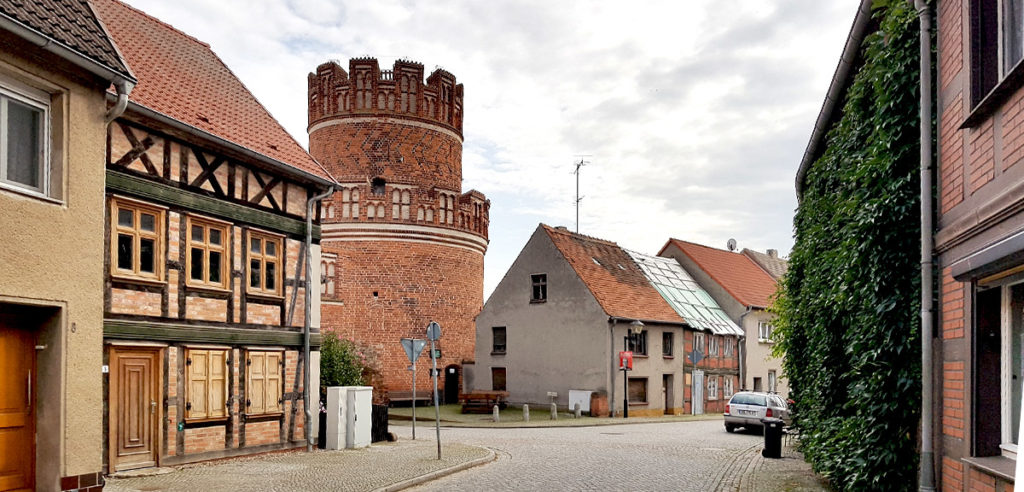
847 309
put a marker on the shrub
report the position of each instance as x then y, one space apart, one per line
342 363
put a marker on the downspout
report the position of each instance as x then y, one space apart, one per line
927 475
611 366
123 88
307 312
743 350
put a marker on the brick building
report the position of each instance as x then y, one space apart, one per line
403 245
560 316
203 286
978 365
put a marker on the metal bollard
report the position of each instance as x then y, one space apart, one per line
495 411
526 412
554 411
577 411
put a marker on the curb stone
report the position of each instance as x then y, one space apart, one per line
404 484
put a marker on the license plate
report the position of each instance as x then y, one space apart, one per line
748 412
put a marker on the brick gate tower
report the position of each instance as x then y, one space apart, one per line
402 244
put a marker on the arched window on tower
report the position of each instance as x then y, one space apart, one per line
451 209
405 204
396 200
378 186
419 214
327 277
349 203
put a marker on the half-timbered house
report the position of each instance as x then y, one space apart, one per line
207 201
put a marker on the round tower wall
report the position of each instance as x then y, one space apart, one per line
385 290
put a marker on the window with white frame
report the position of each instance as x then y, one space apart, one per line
698 343
24 138
771 382
999 342
727 387
713 345
764 331
713 388
727 346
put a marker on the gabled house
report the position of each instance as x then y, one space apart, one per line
56 63
209 203
560 316
744 290
769 261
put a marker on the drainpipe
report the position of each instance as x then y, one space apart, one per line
124 88
305 321
927 472
611 366
743 349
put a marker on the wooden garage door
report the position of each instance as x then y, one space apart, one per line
17 409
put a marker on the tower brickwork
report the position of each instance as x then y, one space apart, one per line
402 244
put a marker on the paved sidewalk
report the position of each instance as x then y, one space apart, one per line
751 472
381 467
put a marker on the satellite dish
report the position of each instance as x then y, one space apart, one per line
731 244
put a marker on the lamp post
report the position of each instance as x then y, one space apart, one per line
635 329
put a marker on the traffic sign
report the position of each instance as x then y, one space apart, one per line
413 348
437 353
433 331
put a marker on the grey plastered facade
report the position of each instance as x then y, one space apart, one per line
557 345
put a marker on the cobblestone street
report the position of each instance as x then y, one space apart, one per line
697 456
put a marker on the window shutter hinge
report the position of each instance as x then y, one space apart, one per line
188 361
248 362
188 406
248 403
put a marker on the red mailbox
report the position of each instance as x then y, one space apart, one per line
626 360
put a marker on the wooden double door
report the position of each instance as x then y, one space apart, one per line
17 407
135 409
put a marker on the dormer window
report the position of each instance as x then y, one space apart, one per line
377 186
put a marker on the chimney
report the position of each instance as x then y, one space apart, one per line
774 253
562 228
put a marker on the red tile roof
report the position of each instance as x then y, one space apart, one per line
68 22
617 283
743 279
181 77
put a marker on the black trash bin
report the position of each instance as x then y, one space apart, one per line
772 438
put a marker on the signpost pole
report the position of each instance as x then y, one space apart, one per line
437 411
434 334
413 401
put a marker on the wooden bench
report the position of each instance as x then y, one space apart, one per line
422 396
482 401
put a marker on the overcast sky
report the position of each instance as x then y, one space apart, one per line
693 115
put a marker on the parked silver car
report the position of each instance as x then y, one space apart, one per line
747 408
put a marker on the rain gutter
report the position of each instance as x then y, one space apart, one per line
835 92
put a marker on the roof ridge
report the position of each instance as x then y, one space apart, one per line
160 22
734 293
576 234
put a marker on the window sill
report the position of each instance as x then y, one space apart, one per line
258 417
538 301
997 466
996 97
137 280
221 420
638 403
498 353
639 356
30 193
663 356
264 295
208 288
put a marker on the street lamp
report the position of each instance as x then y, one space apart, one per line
635 329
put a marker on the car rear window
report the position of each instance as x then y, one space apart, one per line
749 400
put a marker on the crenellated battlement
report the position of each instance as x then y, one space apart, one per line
365 89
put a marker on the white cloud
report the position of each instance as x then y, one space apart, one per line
694 114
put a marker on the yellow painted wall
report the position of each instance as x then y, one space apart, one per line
51 253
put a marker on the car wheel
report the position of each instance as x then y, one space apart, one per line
730 428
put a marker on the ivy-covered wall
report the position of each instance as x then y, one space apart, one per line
849 306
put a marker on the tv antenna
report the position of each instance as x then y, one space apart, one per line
580 163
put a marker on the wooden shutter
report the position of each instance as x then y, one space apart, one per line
275 362
217 386
197 372
256 386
